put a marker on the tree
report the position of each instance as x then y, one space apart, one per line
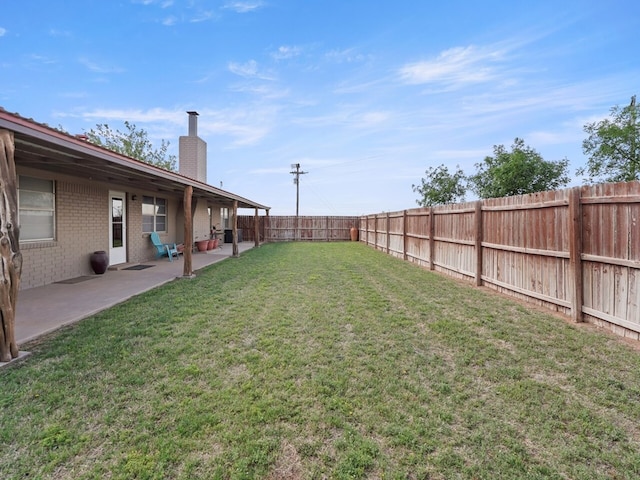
133 143
441 187
520 171
10 256
613 146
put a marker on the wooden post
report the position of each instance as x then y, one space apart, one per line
367 229
375 231
256 228
575 253
267 227
235 228
11 257
478 220
187 269
405 238
388 233
432 240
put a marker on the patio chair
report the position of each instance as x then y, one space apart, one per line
163 249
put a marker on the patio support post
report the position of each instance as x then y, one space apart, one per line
11 257
267 227
256 228
187 270
235 228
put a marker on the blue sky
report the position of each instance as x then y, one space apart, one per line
365 95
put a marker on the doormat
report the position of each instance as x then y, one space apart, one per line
71 281
138 267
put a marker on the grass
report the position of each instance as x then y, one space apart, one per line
306 361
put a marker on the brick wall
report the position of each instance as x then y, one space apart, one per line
82 227
193 157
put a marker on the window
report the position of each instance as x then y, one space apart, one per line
154 214
224 217
36 208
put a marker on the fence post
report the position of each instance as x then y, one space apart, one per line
432 240
388 233
575 253
404 235
478 220
326 219
375 231
256 228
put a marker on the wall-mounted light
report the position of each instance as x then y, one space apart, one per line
133 198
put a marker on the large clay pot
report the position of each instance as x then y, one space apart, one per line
354 234
211 244
99 261
202 245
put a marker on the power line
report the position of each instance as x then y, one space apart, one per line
296 180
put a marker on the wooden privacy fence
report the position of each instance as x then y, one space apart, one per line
576 251
303 228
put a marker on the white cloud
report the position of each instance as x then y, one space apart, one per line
58 33
264 91
248 70
3 32
286 52
170 21
99 68
246 125
153 115
457 66
347 55
373 118
244 7
202 16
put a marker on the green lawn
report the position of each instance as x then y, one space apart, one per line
326 360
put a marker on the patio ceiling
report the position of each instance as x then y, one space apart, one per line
41 147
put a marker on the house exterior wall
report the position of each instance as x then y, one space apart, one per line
82 227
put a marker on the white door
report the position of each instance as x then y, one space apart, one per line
118 228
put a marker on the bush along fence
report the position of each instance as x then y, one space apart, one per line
301 228
575 251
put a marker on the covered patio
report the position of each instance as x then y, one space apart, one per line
42 310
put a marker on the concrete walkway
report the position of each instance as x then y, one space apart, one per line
45 309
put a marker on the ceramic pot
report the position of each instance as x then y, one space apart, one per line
354 234
202 245
99 261
211 244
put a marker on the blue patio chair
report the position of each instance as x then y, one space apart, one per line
163 249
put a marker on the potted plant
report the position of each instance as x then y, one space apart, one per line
202 245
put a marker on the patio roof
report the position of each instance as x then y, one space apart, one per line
42 147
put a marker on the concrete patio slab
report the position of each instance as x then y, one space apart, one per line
45 309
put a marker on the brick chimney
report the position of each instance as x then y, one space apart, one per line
192 152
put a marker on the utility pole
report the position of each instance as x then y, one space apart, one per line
296 180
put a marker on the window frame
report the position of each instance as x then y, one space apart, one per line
155 205
224 218
52 209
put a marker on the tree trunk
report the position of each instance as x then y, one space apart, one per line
10 256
